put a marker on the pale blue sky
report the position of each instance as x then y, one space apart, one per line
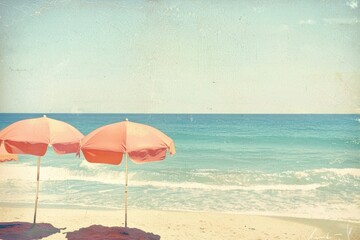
180 56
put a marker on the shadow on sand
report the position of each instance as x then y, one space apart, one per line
25 230
96 232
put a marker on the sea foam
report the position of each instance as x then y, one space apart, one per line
28 173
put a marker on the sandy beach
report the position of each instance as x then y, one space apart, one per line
214 120
189 225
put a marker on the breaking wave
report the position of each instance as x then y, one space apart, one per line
28 173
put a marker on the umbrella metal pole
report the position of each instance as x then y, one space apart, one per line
126 189
37 189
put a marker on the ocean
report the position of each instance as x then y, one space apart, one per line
282 165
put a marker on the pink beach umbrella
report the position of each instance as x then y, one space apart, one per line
140 142
33 136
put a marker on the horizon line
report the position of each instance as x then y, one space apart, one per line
195 113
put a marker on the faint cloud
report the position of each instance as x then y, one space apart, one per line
258 9
352 3
307 22
342 21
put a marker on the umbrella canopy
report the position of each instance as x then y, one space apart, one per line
33 136
142 143
5 156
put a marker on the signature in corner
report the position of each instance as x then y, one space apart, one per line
348 233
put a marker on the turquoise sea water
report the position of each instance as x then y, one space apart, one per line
288 165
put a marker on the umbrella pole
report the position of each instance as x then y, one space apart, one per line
126 189
37 189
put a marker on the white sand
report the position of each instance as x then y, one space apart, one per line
189 225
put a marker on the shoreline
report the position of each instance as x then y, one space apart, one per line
245 213
106 208
174 225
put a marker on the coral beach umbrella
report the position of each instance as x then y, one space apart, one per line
141 143
33 136
5 156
